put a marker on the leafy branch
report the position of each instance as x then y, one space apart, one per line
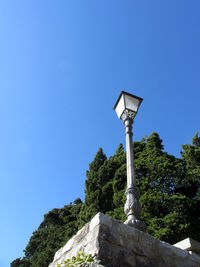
78 260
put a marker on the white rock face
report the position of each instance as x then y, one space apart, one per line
118 245
190 245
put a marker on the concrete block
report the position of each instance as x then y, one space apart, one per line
189 244
115 244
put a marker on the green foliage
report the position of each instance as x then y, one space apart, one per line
169 194
58 226
79 260
99 184
21 262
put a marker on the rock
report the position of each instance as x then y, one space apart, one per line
115 244
190 245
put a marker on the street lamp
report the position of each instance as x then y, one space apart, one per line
126 108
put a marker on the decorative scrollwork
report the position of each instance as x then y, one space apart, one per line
127 114
132 205
132 209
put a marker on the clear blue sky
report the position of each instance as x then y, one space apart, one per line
63 65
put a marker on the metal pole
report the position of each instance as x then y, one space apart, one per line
132 206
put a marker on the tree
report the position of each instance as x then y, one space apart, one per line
190 185
169 194
92 189
21 262
58 226
99 184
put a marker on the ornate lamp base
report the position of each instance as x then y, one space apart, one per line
132 209
132 221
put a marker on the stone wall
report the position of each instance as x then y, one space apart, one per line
116 245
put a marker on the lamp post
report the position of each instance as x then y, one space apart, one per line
126 108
